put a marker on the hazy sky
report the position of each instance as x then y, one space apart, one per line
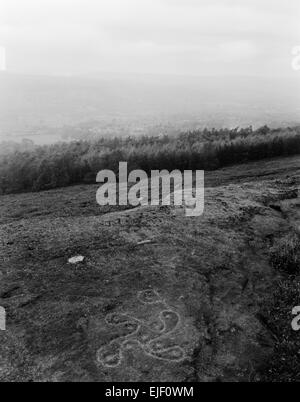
245 37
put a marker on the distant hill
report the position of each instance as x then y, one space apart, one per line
28 101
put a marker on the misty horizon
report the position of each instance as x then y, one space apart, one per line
152 66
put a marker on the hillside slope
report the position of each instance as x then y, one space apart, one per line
159 296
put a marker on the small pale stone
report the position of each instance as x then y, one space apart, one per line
76 260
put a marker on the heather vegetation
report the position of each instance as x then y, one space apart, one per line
36 168
276 313
285 255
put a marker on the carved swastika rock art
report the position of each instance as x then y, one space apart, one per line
153 335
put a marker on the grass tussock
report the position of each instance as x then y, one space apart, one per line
276 313
285 254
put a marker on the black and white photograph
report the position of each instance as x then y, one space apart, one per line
149 194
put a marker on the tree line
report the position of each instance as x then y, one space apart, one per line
37 168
